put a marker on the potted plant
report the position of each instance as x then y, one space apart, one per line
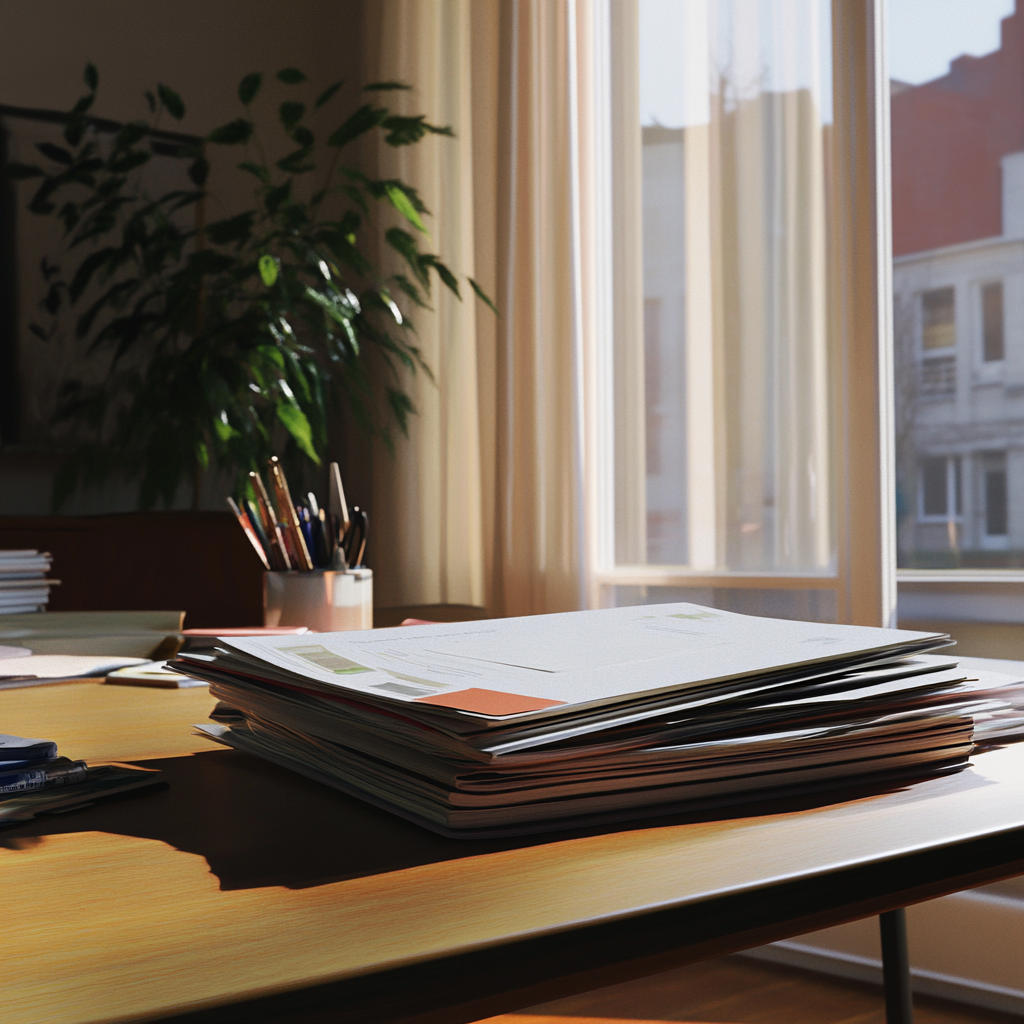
232 341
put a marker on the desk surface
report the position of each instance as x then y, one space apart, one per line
240 881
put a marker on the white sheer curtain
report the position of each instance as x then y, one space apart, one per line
484 502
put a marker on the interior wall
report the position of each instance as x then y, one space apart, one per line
201 50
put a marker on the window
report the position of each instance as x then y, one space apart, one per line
996 509
938 319
746 347
958 276
938 377
940 488
992 322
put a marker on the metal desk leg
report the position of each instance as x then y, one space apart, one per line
896 967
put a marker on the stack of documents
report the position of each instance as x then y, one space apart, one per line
148 636
532 724
23 586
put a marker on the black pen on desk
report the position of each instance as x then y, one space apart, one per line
286 511
355 538
362 543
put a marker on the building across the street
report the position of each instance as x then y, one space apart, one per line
958 282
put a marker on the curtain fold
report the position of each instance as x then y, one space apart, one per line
482 503
426 498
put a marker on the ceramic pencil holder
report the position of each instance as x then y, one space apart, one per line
325 600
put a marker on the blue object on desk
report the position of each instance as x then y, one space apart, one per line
16 750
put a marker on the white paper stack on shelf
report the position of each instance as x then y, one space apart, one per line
526 725
23 586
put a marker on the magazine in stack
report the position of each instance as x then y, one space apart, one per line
23 586
532 724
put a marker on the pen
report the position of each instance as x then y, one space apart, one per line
309 536
324 535
288 515
336 504
257 528
278 552
355 538
338 557
243 521
362 541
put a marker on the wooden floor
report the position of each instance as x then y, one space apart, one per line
741 991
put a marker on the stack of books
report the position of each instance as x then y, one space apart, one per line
23 583
34 780
514 726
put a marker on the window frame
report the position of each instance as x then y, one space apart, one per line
864 578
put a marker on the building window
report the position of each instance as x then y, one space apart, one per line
992 322
994 494
938 376
940 487
938 318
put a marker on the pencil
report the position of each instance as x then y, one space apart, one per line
278 551
289 517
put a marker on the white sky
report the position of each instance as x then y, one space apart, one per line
923 36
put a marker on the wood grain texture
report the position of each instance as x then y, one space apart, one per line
104 922
97 722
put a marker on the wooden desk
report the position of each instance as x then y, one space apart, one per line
244 892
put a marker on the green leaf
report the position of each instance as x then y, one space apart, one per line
268 269
132 159
304 137
391 305
83 104
222 427
385 86
56 153
86 269
276 196
405 131
249 86
232 133
410 289
291 112
290 76
326 95
256 169
130 134
405 245
74 130
401 408
363 120
296 423
449 279
484 297
172 101
151 100
91 76
232 229
19 172
70 215
293 162
199 171
401 202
